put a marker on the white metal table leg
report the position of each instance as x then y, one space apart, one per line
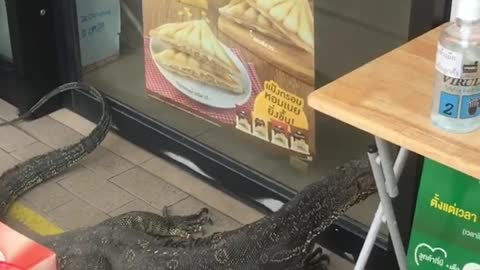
370 240
386 163
381 181
379 215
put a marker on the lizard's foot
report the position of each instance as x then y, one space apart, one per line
192 224
183 226
203 212
317 260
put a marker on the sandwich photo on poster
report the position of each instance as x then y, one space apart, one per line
246 64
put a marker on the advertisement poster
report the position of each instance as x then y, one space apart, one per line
244 64
446 229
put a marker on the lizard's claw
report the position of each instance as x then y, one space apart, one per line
165 211
317 260
204 211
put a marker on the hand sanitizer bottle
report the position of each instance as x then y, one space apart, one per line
456 97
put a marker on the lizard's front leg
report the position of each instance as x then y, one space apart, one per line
160 226
192 223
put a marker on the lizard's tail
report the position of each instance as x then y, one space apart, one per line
30 173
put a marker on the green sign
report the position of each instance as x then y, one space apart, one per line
446 229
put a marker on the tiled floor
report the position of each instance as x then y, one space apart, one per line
118 177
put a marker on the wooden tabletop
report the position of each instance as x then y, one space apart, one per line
391 97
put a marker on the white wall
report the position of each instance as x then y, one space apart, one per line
104 42
5 45
454 9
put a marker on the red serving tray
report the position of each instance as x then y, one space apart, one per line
22 253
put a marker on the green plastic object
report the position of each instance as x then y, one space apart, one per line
446 228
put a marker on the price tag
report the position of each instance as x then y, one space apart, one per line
448 62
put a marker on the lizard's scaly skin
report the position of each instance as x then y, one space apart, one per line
146 241
281 241
28 174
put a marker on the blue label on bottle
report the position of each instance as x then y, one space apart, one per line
449 105
470 106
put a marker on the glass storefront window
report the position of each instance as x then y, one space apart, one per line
5 45
347 35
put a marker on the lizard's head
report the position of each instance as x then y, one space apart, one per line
315 208
350 183
320 204
341 188
358 180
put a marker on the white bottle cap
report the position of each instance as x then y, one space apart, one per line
468 10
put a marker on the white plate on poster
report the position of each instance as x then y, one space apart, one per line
207 94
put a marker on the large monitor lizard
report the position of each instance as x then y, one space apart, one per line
283 240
